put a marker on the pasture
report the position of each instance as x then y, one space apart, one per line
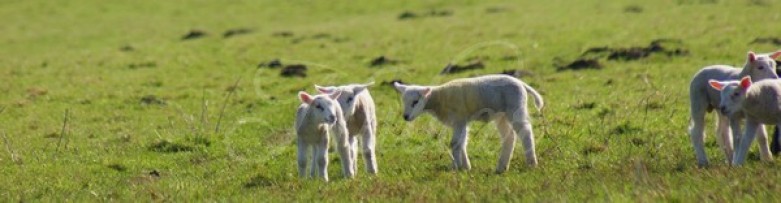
185 100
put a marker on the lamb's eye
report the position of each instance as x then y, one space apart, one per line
320 107
414 103
761 67
735 94
349 99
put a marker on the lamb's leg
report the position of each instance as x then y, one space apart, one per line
697 134
764 148
343 147
775 146
302 154
322 160
508 144
524 131
458 147
368 150
745 142
737 133
725 136
354 153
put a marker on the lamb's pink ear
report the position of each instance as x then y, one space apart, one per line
324 90
399 87
776 54
426 92
335 95
745 83
304 97
752 56
715 84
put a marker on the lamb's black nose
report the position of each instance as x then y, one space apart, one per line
723 109
406 117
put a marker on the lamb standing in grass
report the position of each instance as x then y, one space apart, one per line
704 99
316 116
760 102
495 97
358 107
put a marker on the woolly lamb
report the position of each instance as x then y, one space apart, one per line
704 99
316 116
760 102
494 97
358 107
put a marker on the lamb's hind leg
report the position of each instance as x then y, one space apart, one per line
697 133
368 150
302 154
508 143
523 128
354 153
764 148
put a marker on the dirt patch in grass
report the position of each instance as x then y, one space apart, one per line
390 82
590 59
381 61
236 31
117 167
152 100
518 73
194 34
767 40
581 64
166 146
409 15
148 64
259 181
282 34
273 63
295 70
456 68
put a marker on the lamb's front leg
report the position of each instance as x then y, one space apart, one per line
458 147
321 158
368 150
764 148
745 142
344 148
302 154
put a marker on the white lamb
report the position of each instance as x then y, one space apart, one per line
760 102
495 97
316 116
704 99
359 113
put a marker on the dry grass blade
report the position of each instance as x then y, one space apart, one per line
64 127
225 104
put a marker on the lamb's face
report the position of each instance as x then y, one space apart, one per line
347 99
414 99
761 66
324 107
733 94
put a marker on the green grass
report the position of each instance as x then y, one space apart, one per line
615 134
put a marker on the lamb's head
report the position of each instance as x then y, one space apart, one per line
347 98
324 107
761 66
413 98
733 94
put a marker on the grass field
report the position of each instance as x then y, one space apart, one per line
105 101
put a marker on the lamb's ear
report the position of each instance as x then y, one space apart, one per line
426 92
335 95
304 97
775 55
325 90
745 83
399 87
752 56
715 84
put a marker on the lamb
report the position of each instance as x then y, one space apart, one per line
493 97
358 108
315 117
760 102
704 99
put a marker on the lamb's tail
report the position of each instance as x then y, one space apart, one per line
537 98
